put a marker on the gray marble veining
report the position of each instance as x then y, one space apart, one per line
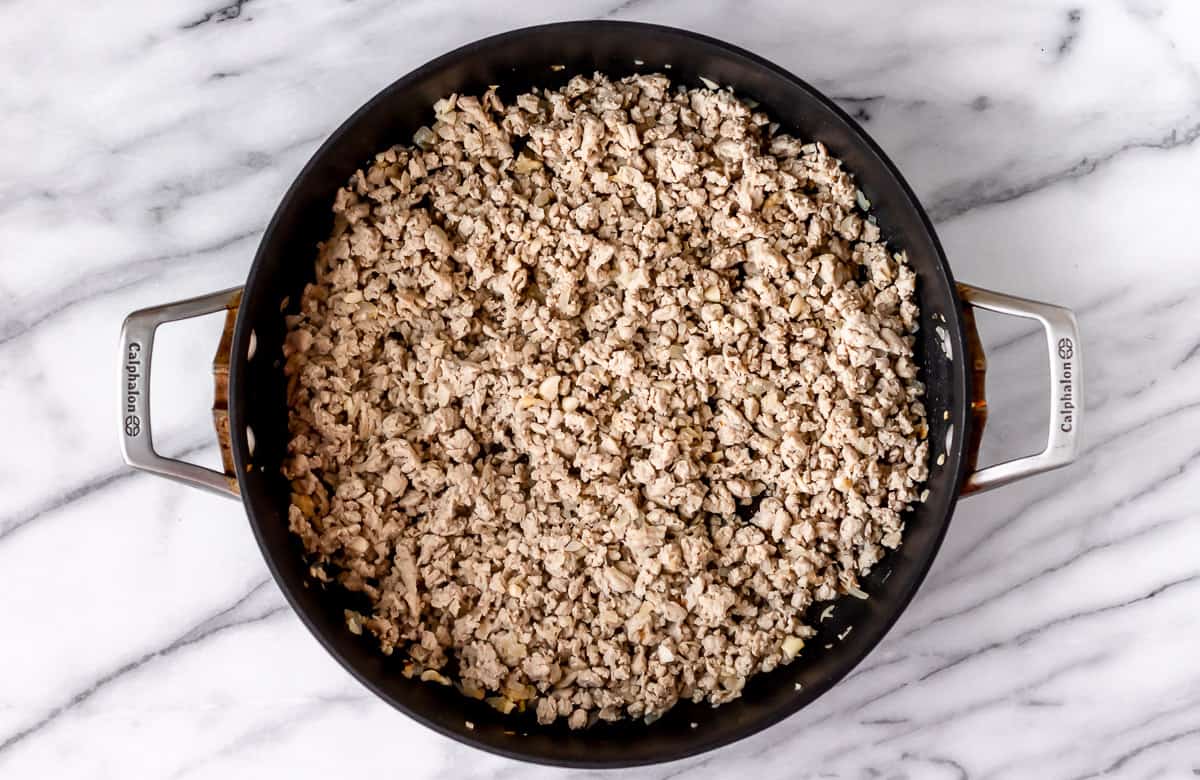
1055 144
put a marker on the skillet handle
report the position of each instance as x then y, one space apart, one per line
1066 387
137 346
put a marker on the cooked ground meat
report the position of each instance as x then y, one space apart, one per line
596 392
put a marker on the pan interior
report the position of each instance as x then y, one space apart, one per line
517 61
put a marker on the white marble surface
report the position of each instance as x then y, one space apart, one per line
145 145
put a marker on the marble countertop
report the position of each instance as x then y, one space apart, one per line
147 144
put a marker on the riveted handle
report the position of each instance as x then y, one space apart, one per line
1066 387
137 347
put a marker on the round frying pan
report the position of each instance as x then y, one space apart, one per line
250 410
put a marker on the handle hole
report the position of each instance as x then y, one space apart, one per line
181 391
1018 373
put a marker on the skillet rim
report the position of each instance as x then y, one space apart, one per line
960 378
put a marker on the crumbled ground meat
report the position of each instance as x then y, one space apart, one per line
596 392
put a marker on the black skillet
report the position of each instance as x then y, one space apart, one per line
251 414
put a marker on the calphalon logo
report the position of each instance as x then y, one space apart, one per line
133 388
1066 387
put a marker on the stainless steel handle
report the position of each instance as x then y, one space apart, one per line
137 346
1066 388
